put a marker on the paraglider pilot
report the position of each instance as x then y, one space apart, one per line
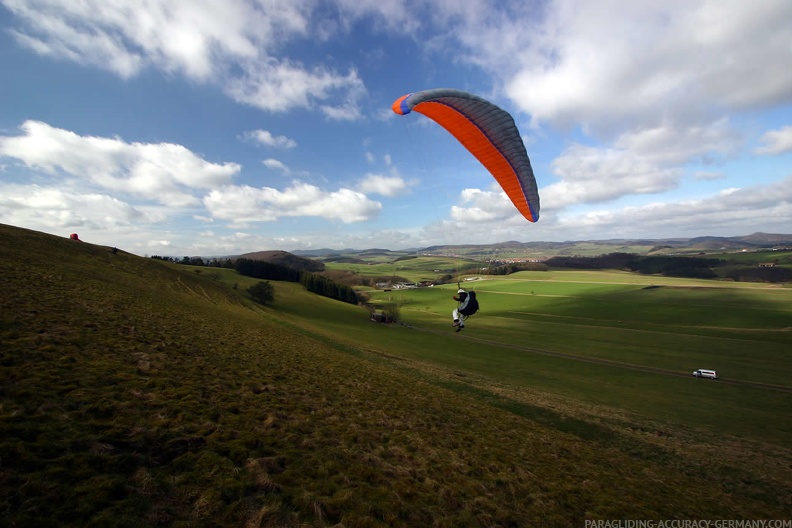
461 312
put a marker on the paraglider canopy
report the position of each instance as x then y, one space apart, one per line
488 132
74 236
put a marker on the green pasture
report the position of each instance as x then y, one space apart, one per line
414 269
743 332
749 258
592 249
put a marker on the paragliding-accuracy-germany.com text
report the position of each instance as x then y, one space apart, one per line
690 523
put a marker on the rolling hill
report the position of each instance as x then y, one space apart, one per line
135 392
709 244
286 259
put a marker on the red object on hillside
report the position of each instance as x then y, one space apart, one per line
74 236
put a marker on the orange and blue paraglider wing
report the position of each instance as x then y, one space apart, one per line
488 132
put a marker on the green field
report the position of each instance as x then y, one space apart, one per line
645 335
141 393
748 258
413 269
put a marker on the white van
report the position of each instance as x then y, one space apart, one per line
703 373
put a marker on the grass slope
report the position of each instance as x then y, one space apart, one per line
134 393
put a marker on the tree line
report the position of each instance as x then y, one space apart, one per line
198 261
313 282
674 266
690 267
260 269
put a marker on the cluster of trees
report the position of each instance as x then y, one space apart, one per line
675 266
198 261
313 282
691 267
259 269
328 288
514 267
757 274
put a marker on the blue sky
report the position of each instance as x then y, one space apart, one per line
217 127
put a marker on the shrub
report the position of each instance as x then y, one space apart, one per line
262 292
392 312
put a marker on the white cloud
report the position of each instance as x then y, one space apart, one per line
164 172
161 243
125 37
384 185
280 85
52 209
488 216
242 205
709 175
600 63
272 163
395 16
676 144
730 211
591 175
776 141
644 161
233 44
265 137
480 206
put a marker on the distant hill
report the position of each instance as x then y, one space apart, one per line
764 239
375 251
323 252
552 248
604 246
286 259
735 243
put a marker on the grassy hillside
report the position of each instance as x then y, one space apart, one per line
135 392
